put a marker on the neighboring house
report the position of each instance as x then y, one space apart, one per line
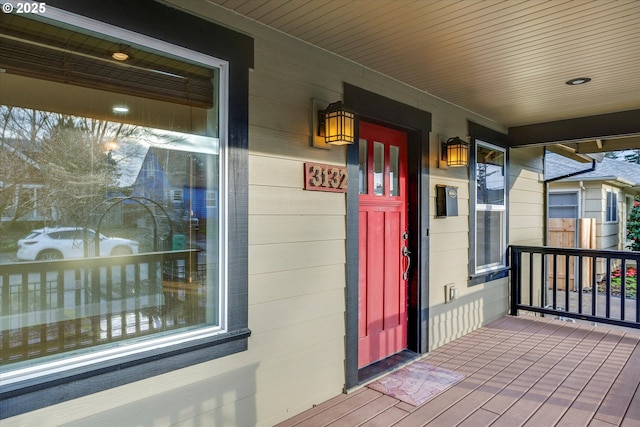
300 294
21 185
603 190
176 180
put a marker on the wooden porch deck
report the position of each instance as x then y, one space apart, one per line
519 371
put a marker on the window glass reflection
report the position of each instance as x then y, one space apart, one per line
490 176
362 169
394 169
378 169
124 219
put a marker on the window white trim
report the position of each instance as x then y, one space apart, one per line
611 207
484 207
578 206
132 348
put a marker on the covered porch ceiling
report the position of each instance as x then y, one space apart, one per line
505 60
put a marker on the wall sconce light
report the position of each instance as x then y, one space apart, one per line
455 152
337 124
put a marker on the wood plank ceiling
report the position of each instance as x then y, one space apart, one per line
506 60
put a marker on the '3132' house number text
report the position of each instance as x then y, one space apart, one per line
321 177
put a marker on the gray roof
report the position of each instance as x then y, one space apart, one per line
624 172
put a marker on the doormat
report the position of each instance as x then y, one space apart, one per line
416 383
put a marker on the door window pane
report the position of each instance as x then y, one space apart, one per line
378 169
362 169
394 170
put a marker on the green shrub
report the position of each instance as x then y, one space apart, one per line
633 225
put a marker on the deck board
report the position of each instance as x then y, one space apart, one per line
519 371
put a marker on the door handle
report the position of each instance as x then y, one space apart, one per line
407 254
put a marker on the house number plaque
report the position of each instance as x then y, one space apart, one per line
320 177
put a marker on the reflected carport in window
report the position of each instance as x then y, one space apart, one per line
490 207
111 196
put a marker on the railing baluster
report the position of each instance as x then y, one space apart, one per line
637 296
594 286
55 306
530 277
78 309
580 280
607 306
136 308
61 287
567 260
623 287
544 283
515 280
40 294
6 311
124 294
555 282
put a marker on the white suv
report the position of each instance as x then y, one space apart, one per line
68 242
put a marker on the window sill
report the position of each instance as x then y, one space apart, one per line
41 392
488 276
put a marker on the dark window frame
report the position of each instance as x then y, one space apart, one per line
179 28
481 133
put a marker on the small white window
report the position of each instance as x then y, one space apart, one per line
612 207
490 207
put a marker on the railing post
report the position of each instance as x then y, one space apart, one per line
515 280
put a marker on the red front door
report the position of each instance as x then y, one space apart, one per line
382 328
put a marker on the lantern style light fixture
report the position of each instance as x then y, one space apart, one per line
457 152
337 124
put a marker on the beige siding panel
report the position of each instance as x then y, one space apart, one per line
525 236
441 276
452 224
290 256
283 145
467 313
610 228
280 313
288 201
265 229
522 210
278 400
608 242
449 241
448 258
269 171
268 287
273 344
535 197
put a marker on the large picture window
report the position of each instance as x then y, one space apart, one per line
490 207
114 224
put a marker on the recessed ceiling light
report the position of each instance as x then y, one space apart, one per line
120 56
120 109
578 81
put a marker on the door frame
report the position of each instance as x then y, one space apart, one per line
416 123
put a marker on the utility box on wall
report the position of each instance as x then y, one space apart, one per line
446 200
